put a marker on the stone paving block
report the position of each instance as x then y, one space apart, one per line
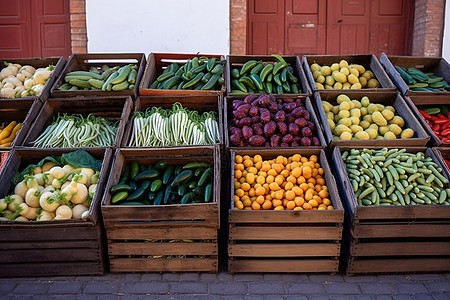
423 297
367 278
66 288
304 288
273 297
248 277
378 288
108 297
31 288
146 288
224 276
361 297
188 287
227 288
411 288
325 278
171 276
208 277
393 278
321 297
248 297
295 278
426 277
402 297
438 287
340 297
233 297
189 276
443 296
102 287
6 287
296 298
382 297
86 297
201 297
151 277
342 288
265 289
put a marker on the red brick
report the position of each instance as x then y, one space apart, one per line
77 17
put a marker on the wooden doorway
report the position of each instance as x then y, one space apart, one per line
297 27
36 28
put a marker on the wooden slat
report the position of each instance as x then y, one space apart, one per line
162 248
164 265
52 269
400 248
282 265
413 212
167 233
402 230
322 217
43 245
284 250
53 255
285 233
399 265
204 213
54 233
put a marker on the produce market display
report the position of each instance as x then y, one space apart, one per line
422 82
17 81
256 76
343 75
76 131
158 127
104 78
162 183
283 183
52 190
8 133
3 156
353 119
268 121
198 73
395 177
438 118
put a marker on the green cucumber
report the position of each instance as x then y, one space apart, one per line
123 74
187 198
96 83
182 190
195 164
156 185
218 69
239 86
257 81
211 64
205 176
132 76
245 80
265 71
118 197
211 82
168 173
248 66
160 165
120 187
208 192
278 67
235 73
183 176
147 174
120 86
257 69
158 198
137 194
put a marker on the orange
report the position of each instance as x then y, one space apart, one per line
267 205
245 186
237 174
285 201
288 185
257 158
330 207
318 199
301 180
299 201
290 195
296 157
285 173
258 165
304 187
273 186
239 167
303 160
313 203
313 158
268 197
239 192
320 180
277 168
266 186
308 195
247 202
279 195
260 191
321 208
298 208
323 194
242 179
277 202
287 167
297 172
252 170
297 190
292 179
326 201
256 206
295 164
317 187
237 185
250 178
248 208
272 172
270 179
280 159
248 163
315 172
236 198
307 171
251 192
265 166
283 184
307 206
311 180
238 159
238 205
279 179
290 205
279 208
260 199
320 171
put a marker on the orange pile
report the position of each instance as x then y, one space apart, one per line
293 183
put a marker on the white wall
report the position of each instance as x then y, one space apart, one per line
181 26
446 39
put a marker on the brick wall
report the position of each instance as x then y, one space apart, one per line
78 26
428 27
238 26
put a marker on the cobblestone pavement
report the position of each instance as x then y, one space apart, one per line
228 287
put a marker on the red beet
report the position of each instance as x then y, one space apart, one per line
249 99
254 110
258 128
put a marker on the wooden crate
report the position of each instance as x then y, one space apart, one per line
392 239
23 111
201 103
285 241
369 62
437 65
157 62
112 109
52 248
420 137
236 61
415 103
84 61
307 103
37 62
153 238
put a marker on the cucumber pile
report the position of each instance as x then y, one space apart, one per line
422 82
265 77
198 73
162 183
104 78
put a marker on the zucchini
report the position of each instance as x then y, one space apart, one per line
183 176
205 176
137 194
167 193
183 188
211 82
168 173
118 197
120 86
235 73
248 66
120 187
123 74
208 192
195 165
211 64
187 198
278 67
257 69
158 198
145 184
156 185
265 71
147 174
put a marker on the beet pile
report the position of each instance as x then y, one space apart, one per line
267 121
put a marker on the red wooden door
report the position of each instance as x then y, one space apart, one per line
391 27
305 27
265 29
36 28
348 27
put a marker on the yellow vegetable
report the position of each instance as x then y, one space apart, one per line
372 133
315 67
360 68
345 121
356 86
338 76
372 108
343 63
345 136
387 114
364 124
346 86
341 128
356 128
355 120
407 133
337 86
389 135
373 83
341 98
397 120
378 118
365 102
319 86
352 79
344 71
343 113
362 135
395 129
383 129
363 81
325 70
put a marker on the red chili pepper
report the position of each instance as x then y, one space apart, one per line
436 127
433 118
448 114
445 125
447 162
441 116
446 141
441 121
445 132
425 115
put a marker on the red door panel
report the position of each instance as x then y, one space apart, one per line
391 27
34 28
265 29
14 29
348 27
305 27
